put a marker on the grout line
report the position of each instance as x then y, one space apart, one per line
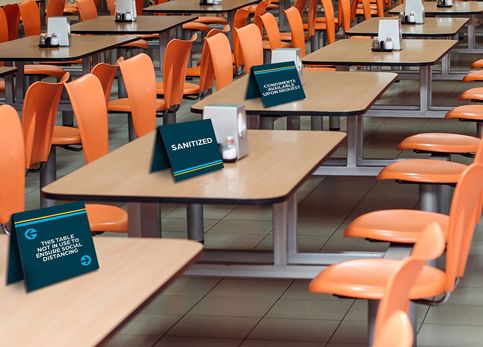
340 323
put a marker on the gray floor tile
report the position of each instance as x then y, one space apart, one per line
247 288
309 309
149 324
450 335
230 306
174 341
124 340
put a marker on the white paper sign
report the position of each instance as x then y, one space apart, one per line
124 6
61 27
417 7
390 28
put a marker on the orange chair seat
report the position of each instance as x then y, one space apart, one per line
193 71
122 105
472 94
65 136
47 70
286 36
2 85
188 88
137 44
196 26
367 279
149 36
319 26
423 171
71 9
211 20
474 76
477 64
471 112
266 44
441 143
106 218
65 62
323 20
400 226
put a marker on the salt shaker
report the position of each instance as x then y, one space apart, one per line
128 16
229 150
42 39
388 44
54 40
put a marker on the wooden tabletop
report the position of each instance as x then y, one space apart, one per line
27 49
459 7
7 70
432 27
277 164
142 25
84 310
193 6
336 100
414 52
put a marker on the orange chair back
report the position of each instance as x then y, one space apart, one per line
30 17
380 8
105 73
111 6
251 46
239 21
55 8
260 9
38 119
90 110
140 80
300 5
12 164
220 56
345 14
271 28
479 154
174 70
87 9
296 29
397 331
3 26
366 8
429 246
464 216
329 20
13 18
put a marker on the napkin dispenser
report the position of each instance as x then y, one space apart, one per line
60 27
416 7
282 55
229 120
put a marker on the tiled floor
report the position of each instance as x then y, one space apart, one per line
255 312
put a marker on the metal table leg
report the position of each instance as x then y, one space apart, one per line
20 82
428 197
144 219
194 214
48 175
472 32
283 5
267 123
425 88
293 123
231 20
9 89
163 40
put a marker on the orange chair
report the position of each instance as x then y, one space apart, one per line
468 113
31 24
12 165
250 41
395 332
388 283
428 174
404 226
361 7
140 81
273 33
205 71
89 106
239 21
106 74
194 71
13 20
327 24
260 10
88 10
55 8
220 57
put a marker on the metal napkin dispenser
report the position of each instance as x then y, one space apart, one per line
282 55
229 120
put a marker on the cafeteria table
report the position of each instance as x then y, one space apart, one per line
193 7
7 73
162 25
277 165
414 53
433 28
26 51
333 94
88 309
466 9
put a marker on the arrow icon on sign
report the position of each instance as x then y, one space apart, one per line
86 260
30 234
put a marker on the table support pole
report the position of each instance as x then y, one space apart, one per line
9 89
194 214
293 123
231 20
316 123
144 219
280 222
20 82
472 32
425 88
48 174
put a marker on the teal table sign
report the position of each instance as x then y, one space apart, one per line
189 149
275 83
50 245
